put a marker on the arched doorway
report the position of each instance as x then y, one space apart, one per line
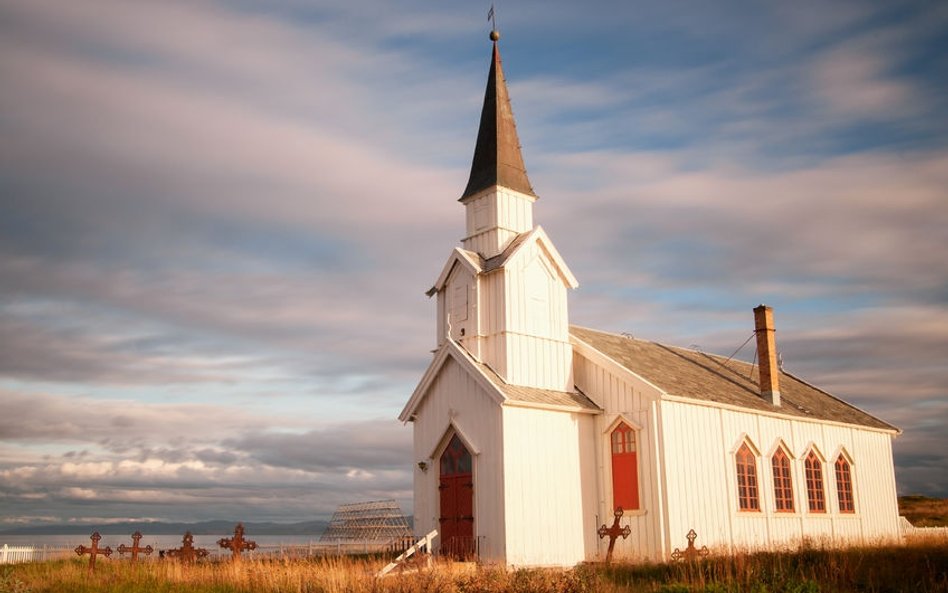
456 488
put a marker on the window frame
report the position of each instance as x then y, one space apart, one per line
845 495
635 491
815 482
782 480
748 484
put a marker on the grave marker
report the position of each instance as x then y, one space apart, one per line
187 553
237 544
136 548
94 551
614 532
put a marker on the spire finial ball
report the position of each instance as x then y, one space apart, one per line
494 35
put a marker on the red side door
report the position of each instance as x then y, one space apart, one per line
457 500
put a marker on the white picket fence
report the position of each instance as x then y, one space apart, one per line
910 530
14 554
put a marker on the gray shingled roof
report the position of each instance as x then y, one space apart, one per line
533 395
496 262
696 375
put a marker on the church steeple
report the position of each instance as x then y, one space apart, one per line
498 198
502 296
497 158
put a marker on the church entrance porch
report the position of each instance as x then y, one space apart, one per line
456 486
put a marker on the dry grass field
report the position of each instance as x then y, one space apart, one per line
919 566
922 511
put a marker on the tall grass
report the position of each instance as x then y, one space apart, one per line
914 568
918 567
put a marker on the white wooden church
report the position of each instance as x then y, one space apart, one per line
529 433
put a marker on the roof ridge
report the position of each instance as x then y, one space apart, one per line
608 333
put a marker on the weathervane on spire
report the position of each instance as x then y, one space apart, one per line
494 33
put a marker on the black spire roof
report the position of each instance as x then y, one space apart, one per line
497 158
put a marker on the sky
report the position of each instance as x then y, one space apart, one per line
218 221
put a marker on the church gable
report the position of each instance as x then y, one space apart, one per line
459 257
535 243
536 293
449 354
612 386
493 385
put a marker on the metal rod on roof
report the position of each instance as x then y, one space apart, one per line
741 347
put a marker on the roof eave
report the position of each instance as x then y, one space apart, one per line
455 351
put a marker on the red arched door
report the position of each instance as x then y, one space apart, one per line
457 501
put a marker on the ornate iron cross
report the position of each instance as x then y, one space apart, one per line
614 532
691 553
94 551
135 549
187 553
237 544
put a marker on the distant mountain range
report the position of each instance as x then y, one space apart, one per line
216 527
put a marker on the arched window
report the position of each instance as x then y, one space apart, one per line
456 460
783 483
747 497
625 468
844 485
814 483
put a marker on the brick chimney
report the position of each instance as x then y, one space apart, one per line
767 354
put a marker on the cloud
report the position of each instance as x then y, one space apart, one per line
836 227
363 447
171 458
218 224
67 342
119 424
854 84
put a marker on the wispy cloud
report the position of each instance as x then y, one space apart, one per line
218 222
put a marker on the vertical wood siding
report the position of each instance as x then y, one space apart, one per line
536 335
550 487
456 396
699 483
460 305
526 343
507 214
699 444
632 400
493 347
